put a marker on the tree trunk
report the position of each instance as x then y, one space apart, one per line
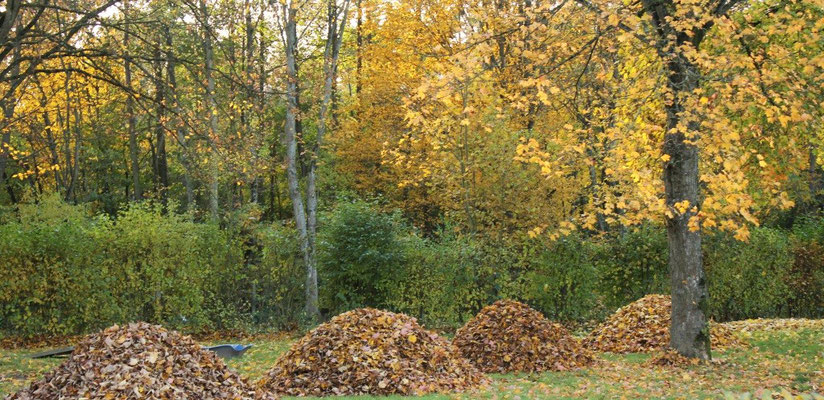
8 105
290 133
689 332
211 109
160 132
180 130
137 192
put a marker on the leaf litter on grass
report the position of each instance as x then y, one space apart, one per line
643 326
369 351
509 336
140 361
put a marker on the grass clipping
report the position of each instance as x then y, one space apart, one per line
368 351
643 326
509 336
139 361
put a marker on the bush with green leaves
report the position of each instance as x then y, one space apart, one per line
563 281
360 254
747 279
806 277
66 272
52 279
632 264
442 282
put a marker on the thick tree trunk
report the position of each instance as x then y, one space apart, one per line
290 133
689 332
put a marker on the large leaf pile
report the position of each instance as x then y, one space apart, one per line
509 336
140 361
368 351
643 326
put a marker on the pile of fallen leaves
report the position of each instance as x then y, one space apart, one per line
643 326
509 336
671 358
139 361
368 351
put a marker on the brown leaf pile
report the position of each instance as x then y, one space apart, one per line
368 351
643 326
671 358
140 361
509 336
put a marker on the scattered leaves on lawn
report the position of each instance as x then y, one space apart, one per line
138 361
671 358
509 336
368 351
777 324
643 326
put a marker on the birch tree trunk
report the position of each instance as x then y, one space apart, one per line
290 138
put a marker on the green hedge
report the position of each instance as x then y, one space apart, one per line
66 272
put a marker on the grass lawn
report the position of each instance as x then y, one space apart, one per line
779 360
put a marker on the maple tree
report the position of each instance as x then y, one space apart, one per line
503 121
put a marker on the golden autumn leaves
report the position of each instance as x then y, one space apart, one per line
509 336
643 326
364 351
140 361
369 351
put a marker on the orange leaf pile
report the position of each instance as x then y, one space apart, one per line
643 326
368 351
509 336
671 358
140 361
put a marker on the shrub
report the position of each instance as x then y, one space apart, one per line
277 282
360 254
438 282
633 264
746 279
806 277
563 281
66 273
51 280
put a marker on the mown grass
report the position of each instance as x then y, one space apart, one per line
773 361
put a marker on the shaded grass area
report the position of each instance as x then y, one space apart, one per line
791 360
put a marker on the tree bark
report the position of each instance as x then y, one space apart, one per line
211 109
137 192
689 333
290 133
180 130
689 330
162 166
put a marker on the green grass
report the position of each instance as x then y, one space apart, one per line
773 361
